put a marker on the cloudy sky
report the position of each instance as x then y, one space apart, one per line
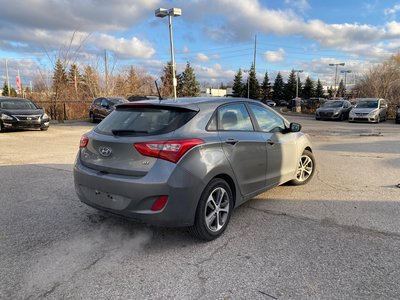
215 36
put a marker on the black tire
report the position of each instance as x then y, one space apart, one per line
205 226
1 127
305 169
341 117
44 128
92 118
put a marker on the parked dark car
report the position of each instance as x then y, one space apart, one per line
189 162
334 110
103 106
398 114
19 113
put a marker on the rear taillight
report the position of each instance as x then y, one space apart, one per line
169 150
84 141
160 203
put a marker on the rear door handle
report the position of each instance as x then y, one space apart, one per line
270 142
231 141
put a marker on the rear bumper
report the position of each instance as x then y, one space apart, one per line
133 197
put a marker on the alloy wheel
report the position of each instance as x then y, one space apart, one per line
305 168
217 209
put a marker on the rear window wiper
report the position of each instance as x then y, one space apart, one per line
128 131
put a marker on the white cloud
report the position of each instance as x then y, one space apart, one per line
124 48
275 56
301 5
201 57
392 11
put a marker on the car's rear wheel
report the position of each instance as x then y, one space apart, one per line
44 128
213 211
305 168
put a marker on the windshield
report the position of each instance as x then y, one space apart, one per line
367 104
140 121
17 104
333 104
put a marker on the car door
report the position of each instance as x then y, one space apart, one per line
243 147
280 145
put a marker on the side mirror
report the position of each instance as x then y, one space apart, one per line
295 127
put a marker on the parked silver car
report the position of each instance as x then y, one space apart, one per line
369 110
189 162
333 110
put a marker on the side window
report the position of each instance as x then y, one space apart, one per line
97 102
104 102
267 120
234 117
212 125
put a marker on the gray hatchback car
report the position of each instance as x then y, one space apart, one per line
189 162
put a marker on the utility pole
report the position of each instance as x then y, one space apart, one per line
106 69
297 82
7 78
255 52
336 65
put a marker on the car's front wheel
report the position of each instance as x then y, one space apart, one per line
305 168
213 211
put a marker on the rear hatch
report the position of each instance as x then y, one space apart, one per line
110 146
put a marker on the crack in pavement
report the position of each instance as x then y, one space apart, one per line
330 222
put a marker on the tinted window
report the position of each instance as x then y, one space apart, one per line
17 104
266 119
97 101
234 117
144 120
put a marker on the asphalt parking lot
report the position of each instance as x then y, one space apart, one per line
335 238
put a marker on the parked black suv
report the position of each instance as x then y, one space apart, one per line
103 106
19 113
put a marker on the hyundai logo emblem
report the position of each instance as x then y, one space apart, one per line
105 151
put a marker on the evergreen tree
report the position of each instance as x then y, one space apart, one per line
308 89
59 78
330 92
132 82
190 86
266 88
319 91
290 86
254 86
74 77
341 89
167 87
237 87
278 88
5 90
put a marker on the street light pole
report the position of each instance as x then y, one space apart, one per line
297 81
345 73
336 65
172 12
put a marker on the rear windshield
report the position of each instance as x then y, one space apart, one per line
17 104
141 121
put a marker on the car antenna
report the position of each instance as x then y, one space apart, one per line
158 91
